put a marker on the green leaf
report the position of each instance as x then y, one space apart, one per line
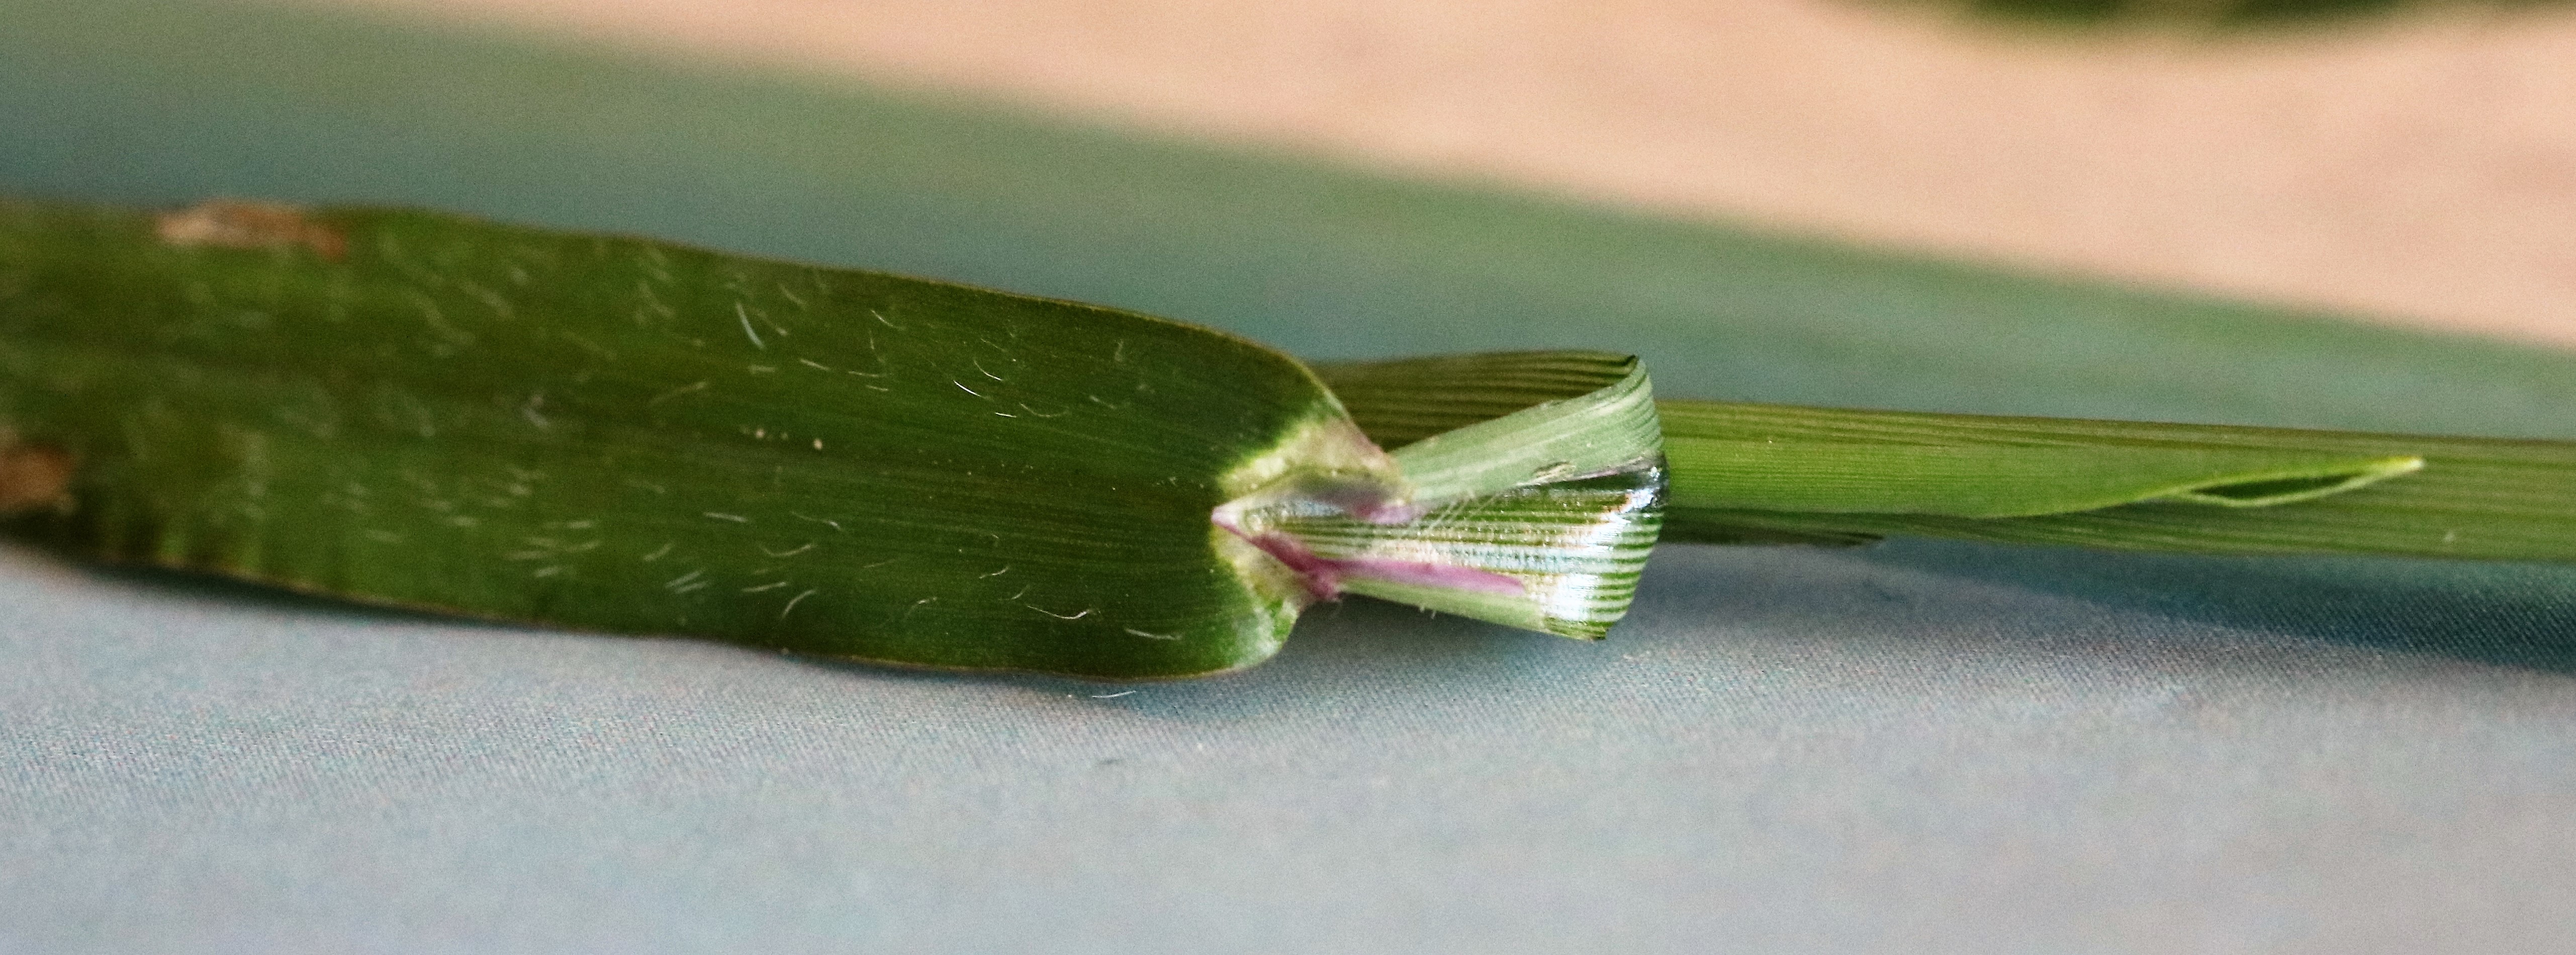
617 434
1744 468
1795 459
621 435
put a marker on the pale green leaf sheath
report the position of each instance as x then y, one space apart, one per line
1538 483
622 435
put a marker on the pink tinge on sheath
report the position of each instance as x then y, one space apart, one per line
1323 576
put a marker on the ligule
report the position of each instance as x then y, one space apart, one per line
1560 557
1534 504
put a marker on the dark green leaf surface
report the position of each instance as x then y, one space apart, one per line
628 436
624 435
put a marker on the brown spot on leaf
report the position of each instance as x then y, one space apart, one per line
34 476
233 224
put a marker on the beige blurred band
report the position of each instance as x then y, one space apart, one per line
2420 170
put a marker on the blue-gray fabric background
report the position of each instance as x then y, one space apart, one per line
1921 747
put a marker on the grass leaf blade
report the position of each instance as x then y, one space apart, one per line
2472 497
623 435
